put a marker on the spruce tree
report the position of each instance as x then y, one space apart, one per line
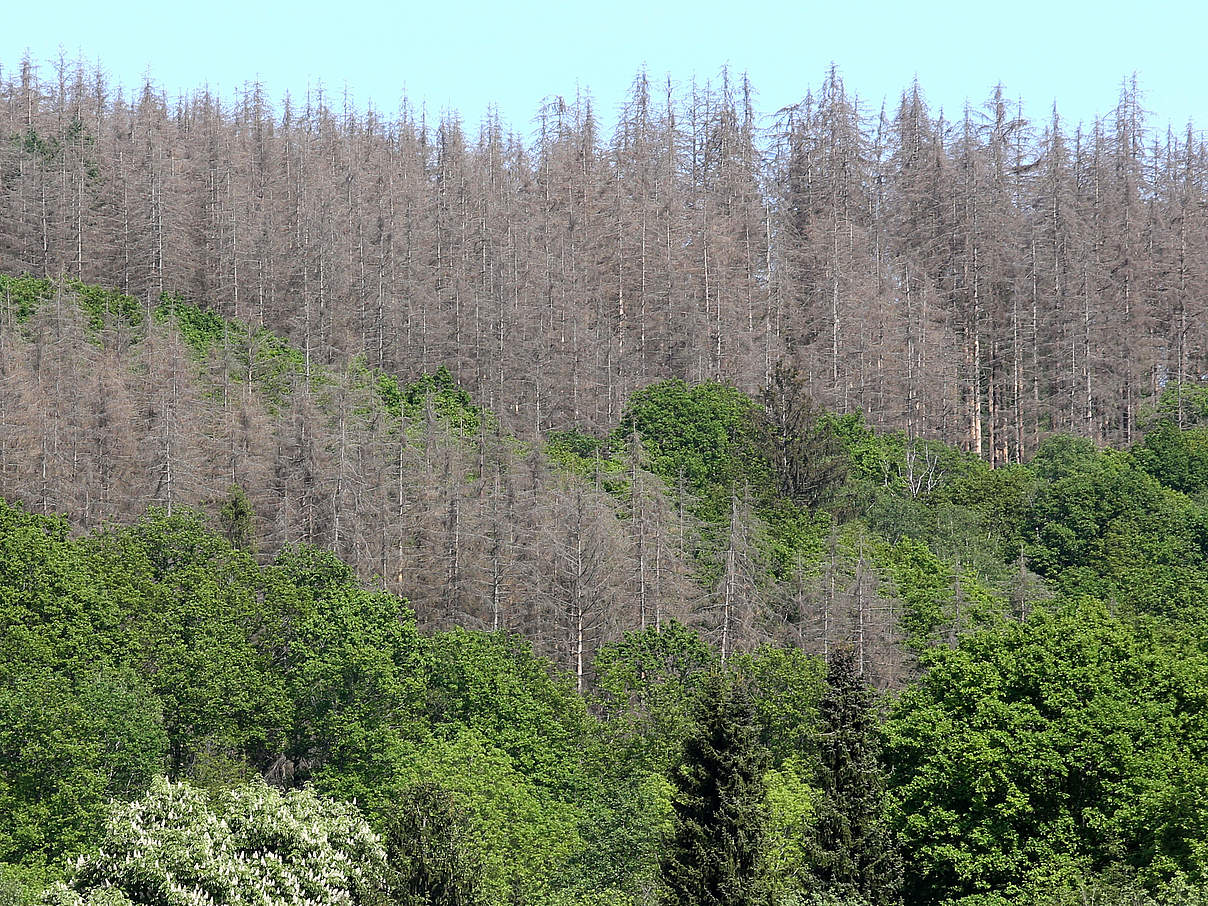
237 518
429 849
853 852
713 858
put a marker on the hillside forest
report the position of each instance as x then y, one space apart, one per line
794 508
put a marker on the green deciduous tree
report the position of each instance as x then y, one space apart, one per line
1040 752
712 434
647 682
251 845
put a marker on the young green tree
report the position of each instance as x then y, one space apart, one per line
714 855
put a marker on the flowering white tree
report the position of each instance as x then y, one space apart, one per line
252 846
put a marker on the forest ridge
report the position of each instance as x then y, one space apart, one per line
741 510
984 277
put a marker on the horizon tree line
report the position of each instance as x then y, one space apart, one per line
984 279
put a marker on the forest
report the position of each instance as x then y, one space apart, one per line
793 508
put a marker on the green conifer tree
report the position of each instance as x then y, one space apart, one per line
429 850
236 518
713 857
853 853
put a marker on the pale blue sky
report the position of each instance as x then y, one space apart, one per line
468 55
